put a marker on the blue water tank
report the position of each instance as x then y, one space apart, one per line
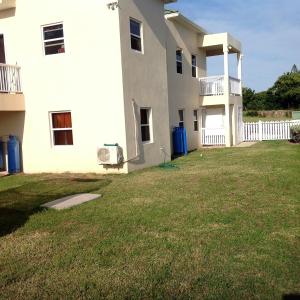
13 151
2 157
180 146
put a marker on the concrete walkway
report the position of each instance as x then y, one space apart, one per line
246 144
70 201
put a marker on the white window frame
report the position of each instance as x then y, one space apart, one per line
52 130
141 37
53 40
181 121
194 66
196 119
149 124
179 61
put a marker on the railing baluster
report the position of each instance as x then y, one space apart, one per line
10 79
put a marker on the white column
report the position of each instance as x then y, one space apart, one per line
240 66
226 96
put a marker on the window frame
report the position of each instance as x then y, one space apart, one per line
53 130
149 124
141 37
181 121
44 41
179 61
194 66
196 120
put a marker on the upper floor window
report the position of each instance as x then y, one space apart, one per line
53 36
136 35
146 124
179 61
194 66
181 118
61 126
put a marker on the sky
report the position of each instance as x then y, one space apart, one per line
268 29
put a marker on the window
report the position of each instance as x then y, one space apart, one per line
181 118
61 123
179 61
196 124
53 36
136 35
145 124
194 66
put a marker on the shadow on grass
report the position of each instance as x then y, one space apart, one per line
18 204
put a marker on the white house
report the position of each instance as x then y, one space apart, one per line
77 75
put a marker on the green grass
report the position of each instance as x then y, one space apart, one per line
224 225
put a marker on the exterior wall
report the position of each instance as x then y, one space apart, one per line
183 88
87 80
12 102
145 82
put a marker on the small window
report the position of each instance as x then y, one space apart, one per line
196 124
53 36
136 35
179 61
145 124
194 66
181 118
61 123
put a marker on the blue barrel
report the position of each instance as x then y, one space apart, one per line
180 146
13 151
2 158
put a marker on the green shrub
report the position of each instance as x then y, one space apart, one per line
295 133
251 113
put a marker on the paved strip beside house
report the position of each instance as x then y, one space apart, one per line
70 201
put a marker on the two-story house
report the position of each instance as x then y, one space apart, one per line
78 75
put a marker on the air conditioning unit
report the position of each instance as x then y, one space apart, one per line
110 154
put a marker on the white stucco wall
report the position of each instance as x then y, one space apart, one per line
183 88
145 81
87 80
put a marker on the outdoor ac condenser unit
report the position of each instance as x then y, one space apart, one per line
110 155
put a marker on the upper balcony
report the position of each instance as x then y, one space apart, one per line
7 4
11 96
215 86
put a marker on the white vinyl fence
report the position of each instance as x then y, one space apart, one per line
213 136
266 131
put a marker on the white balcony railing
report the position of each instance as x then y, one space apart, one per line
213 136
214 86
10 81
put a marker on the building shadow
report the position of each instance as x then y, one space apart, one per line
291 296
18 204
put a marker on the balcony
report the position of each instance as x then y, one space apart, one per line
7 4
11 96
215 86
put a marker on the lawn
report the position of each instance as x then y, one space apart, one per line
221 225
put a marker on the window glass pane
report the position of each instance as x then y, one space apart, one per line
179 67
63 137
54 47
196 115
194 60
144 117
179 55
145 133
53 34
194 72
180 115
136 43
196 127
135 28
62 120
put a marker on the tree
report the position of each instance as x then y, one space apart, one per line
248 98
286 91
295 69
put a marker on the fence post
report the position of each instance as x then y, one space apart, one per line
260 132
